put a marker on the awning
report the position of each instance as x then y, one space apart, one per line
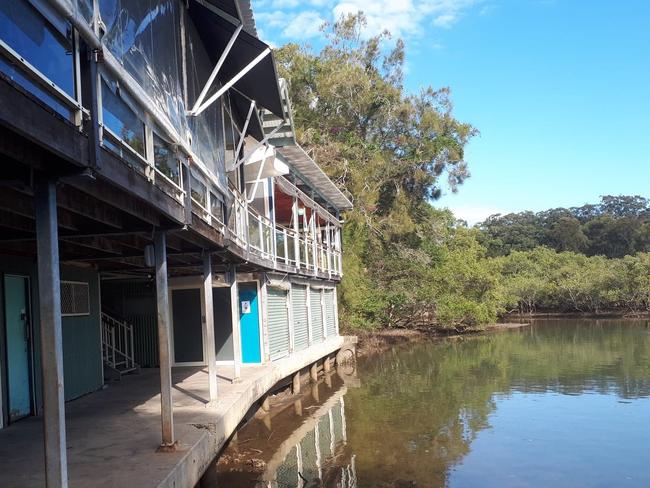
240 105
307 169
264 163
261 82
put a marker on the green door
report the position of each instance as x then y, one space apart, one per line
18 346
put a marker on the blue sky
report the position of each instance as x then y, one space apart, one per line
560 89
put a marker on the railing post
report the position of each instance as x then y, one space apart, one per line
247 234
329 253
131 348
162 304
286 247
113 344
314 244
296 231
47 246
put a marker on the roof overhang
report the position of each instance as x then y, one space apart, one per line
216 29
307 169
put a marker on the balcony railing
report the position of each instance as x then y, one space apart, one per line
279 244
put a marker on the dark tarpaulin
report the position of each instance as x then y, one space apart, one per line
240 106
261 82
229 6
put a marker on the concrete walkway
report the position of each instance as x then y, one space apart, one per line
113 434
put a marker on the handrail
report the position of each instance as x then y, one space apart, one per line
117 343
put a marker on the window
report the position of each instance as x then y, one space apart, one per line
216 207
165 160
120 119
199 191
45 43
44 46
75 298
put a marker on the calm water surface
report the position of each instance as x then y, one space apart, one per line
563 403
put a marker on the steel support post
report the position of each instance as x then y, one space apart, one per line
56 464
236 330
208 327
162 305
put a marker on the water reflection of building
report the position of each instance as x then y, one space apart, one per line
315 453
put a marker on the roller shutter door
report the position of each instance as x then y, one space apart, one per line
278 322
316 315
300 317
330 315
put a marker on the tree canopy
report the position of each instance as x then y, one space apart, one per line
407 263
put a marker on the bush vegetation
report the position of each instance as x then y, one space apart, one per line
407 263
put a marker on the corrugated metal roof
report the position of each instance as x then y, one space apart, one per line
307 168
246 11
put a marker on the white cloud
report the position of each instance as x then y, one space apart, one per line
444 20
473 214
403 18
304 25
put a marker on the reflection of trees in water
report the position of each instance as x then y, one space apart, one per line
300 444
420 408
318 456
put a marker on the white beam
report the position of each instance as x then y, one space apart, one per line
245 128
216 69
234 80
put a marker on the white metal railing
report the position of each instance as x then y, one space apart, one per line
117 344
256 233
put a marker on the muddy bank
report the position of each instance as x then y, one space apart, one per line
611 314
375 342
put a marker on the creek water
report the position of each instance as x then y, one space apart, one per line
561 403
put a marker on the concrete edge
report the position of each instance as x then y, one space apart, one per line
188 470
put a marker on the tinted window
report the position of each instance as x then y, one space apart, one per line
165 160
48 49
121 120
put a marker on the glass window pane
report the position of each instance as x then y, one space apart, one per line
199 191
165 160
18 75
28 33
216 207
121 120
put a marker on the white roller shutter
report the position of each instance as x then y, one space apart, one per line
330 314
278 323
300 317
316 315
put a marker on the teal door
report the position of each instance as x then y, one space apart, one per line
249 322
18 350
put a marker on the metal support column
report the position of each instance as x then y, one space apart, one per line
208 327
236 329
162 306
49 288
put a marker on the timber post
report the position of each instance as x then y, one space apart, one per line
313 373
49 288
327 364
295 385
208 327
162 307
